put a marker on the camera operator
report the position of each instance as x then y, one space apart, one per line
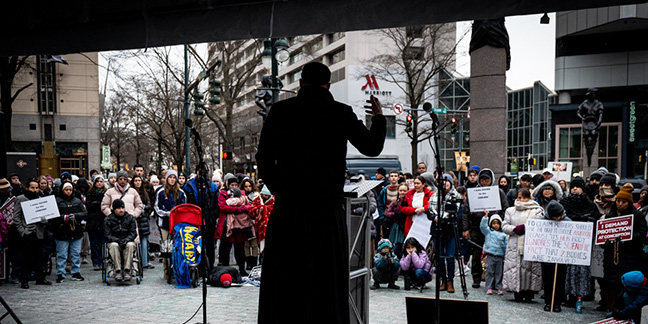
447 220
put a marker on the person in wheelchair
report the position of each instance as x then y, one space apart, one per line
120 229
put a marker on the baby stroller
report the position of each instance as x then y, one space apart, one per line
108 268
184 224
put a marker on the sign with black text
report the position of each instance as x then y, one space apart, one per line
558 242
611 228
34 210
481 198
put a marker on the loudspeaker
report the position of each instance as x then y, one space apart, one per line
422 310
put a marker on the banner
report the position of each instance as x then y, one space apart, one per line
35 209
558 242
481 198
611 228
7 210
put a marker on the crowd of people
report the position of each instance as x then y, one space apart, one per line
493 241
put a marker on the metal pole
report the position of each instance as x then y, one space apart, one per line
646 166
275 73
187 116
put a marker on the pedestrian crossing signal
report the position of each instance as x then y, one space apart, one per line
227 155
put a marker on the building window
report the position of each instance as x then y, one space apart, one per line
46 85
414 31
335 37
571 149
391 126
62 127
337 56
296 57
337 75
32 126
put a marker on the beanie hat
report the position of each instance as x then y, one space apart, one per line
152 173
75 178
154 178
122 173
555 209
476 167
181 174
118 203
216 178
231 180
384 243
66 175
577 182
265 190
112 175
633 279
495 217
362 172
644 188
226 280
382 171
603 170
235 192
625 192
596 175
448 178
97 177
227 177
67 184
170 173
610 179
4 184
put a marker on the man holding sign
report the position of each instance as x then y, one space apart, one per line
31 238
485 196
620 256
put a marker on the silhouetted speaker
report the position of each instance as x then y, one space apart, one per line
423 310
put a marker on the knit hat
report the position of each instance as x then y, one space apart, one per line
122 173
226 280
227 177
633 279
362 172
555 209
495 217
75 178
181 174
97 177
118 203
170 173
644 188
66 176
235 192
232 180
112 175
4 184
596 175
609 178
385 243
67 184
382 171
216 178
265 190
448 178
603 170
625 192
154 178
577 182
476 167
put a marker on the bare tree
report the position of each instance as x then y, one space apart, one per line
415 57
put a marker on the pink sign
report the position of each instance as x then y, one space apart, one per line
610 229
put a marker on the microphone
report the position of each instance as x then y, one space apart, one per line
428 109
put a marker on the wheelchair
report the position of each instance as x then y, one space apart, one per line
107 265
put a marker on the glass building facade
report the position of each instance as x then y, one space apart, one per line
454 95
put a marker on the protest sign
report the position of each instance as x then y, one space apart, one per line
410 183
558 242
611 228
561 170
35 209
420 229
481 198
596 269
7 210
612 321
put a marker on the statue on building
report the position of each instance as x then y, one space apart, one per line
491 32
591 113
264 96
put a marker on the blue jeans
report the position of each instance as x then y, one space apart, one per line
62 254
420 276
97 240
144 243
448 250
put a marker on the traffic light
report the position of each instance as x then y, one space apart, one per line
214 91
453 128
408 125
227 155
199 105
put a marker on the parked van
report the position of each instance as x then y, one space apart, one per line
370 165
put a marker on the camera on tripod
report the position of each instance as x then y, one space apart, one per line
450 211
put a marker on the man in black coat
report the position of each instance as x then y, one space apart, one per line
120 230
310 233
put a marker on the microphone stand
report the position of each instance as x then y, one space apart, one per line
440 198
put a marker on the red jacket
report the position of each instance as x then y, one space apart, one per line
222 219
409 210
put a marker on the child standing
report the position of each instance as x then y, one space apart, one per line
495 247
416 265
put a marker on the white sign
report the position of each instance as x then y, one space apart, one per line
35 209
558 242
561 170
481 198
398 109
420 229
597 262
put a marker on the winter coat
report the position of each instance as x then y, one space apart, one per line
20 223
72 229
95 219
131 199
495 241
239 221
384 264
630 253
164 204
222 219
472 221
416 261
120 229
206 199
537 192
216 273
633 310
143 222
260 212
409 211
520 275
393 213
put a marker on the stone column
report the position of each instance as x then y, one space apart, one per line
488 109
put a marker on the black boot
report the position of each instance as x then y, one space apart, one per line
407 282
251 262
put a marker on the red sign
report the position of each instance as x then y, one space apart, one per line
398 109
371 82
610 229
612 321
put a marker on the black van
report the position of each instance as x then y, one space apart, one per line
370 165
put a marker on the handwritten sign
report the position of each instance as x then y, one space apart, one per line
36 209
410 183
420 229
7 210
558 242
596 268
481 198
611 228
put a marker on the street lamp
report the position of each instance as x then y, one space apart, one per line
274 50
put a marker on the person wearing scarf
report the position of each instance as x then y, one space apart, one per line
523 278
95 219
68 232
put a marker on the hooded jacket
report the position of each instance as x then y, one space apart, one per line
72 229
471 221
495 241
537 192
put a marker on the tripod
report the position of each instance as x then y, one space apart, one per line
450 222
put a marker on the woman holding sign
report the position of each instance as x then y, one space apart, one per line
621 257
68 232
418 202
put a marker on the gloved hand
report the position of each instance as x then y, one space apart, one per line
519 230
69 218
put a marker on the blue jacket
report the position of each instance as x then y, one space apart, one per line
633 310
163 206
495 242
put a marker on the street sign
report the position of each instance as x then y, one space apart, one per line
105 157
440 110
398 109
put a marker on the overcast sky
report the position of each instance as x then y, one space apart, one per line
532 51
